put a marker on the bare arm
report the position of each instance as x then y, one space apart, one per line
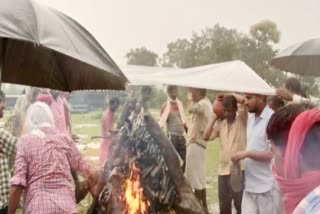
243 113
78 163
260 156
14 198
264 156
208 132
195 108
242 109
240 99
162 108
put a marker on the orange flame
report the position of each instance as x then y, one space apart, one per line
133 195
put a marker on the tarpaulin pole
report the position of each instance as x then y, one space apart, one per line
3 46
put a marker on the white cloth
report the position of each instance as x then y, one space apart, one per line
301 100
196 166
166 112
266 203
39 116
227 76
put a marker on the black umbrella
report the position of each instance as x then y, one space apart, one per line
43 47
302 58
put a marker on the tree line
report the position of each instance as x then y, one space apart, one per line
219 44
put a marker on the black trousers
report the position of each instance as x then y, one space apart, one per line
179 143
4 210
227 195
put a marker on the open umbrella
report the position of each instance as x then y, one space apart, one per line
40 46
302 58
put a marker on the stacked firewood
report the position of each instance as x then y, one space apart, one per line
141 142
155 178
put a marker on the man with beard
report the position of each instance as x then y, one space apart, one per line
261 196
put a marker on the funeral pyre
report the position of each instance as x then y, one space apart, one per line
143 174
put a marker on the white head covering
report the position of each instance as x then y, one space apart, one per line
39 116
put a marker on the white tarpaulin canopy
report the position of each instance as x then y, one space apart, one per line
145 75
233 76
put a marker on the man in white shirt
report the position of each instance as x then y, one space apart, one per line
261 195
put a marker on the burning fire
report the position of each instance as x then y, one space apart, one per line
133 195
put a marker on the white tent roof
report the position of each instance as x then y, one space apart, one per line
145 75
233 76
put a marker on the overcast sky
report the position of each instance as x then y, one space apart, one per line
120 25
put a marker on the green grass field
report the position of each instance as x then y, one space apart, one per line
88 125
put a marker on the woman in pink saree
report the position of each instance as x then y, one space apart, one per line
107 125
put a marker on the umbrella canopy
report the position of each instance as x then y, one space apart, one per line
43 47
302 58
234 76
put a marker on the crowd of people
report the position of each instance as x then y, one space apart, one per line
268 159
41 147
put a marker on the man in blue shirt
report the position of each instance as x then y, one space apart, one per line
261 195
